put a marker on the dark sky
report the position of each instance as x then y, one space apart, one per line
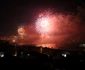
14 13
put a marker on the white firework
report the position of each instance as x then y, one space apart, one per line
44 24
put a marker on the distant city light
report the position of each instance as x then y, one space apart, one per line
2 55
13 40
15 54
82 45
64 55
28 54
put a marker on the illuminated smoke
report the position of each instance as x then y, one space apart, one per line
55 27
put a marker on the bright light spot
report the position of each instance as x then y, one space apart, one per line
28 54
2 55
13 40
15 54
21 31
64 55
45 23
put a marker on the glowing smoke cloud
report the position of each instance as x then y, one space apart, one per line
55 26
45 25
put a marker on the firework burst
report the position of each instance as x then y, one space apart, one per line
45 23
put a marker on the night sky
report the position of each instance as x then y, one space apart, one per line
15 13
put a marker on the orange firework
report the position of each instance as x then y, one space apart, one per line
21 31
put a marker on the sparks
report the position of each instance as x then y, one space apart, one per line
45 23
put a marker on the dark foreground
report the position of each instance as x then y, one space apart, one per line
43 62
32 58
